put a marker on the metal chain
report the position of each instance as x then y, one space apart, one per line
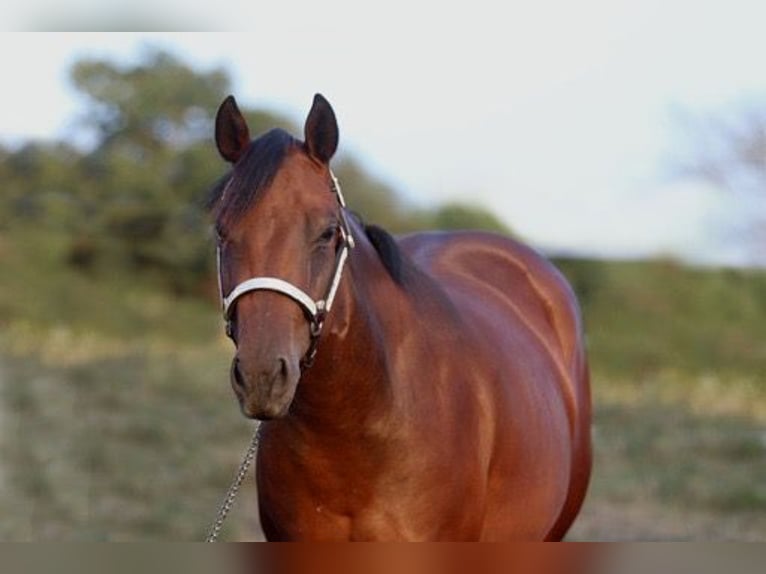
228 501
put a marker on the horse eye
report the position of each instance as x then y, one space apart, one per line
328 235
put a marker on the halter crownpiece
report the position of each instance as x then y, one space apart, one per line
316 311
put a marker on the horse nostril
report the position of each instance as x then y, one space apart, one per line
283 367
237 374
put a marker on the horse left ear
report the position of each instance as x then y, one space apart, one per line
321 130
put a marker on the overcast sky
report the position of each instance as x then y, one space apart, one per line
558 116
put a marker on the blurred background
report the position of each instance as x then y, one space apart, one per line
626 142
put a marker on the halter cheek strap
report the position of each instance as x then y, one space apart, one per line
316 311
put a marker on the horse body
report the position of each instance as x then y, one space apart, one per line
449 395
474 423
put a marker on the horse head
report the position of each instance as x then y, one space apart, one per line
282 241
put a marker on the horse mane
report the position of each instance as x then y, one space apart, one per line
389 251
236 191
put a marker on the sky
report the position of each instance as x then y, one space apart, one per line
561 117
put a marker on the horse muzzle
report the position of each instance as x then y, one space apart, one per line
264 393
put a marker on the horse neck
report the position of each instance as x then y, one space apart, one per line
349 386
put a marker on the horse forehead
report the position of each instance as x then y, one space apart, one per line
299 180
294 197
295 191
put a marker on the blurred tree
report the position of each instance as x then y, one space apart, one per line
375 201
729 148
159 104
38 181
728 151
462 216
133 200
152 163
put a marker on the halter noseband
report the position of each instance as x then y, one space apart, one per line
316 311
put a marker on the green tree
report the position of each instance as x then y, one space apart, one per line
152 164
462 216
134 200
155 106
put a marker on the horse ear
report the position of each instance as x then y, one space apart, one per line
321 130
232 135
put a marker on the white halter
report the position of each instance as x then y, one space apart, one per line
315 310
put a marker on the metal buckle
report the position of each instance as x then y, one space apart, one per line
317 322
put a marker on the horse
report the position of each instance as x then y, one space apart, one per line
432 386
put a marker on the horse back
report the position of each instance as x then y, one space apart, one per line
504 273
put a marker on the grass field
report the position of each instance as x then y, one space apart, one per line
142 446
666 471
117 421
136 446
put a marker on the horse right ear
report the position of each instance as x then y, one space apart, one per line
232 135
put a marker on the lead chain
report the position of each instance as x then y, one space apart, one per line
228 501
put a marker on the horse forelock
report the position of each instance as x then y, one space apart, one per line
235 192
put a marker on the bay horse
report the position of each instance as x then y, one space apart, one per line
429 387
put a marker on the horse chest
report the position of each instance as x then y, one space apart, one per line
334 499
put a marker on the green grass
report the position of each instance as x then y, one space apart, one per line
645 317
662 471
142 447
679 459
39 292
136 448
